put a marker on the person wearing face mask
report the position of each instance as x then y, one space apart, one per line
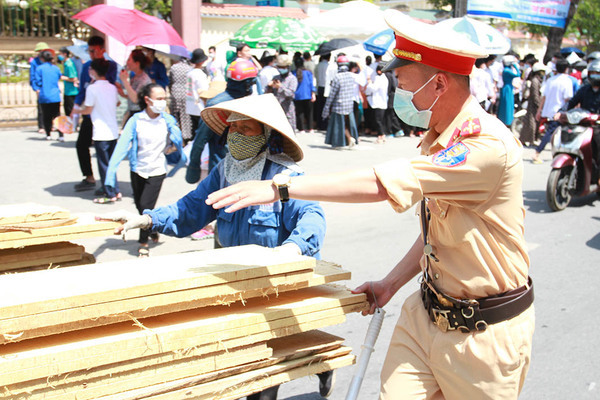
466 333
149 137
588 98
284 86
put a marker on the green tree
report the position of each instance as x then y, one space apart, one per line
586 21
157 8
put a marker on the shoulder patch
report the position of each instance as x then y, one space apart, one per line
452 156
470 127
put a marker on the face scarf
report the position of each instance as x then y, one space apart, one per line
245 160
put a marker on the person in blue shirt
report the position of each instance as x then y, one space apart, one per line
33 64
305 96
45 83
156 70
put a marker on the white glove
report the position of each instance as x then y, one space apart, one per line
131 221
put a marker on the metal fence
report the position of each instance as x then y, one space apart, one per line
42 18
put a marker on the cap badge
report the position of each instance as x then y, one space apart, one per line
407 54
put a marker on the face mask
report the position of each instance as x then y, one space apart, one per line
61 57
406 110
243 147
282 71
158 106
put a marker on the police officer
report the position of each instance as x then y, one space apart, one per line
466 334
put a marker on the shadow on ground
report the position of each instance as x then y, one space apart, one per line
535 201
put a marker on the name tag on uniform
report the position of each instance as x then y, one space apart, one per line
452 156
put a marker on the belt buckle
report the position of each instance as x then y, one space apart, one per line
441 319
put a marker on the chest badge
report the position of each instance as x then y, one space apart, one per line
452 156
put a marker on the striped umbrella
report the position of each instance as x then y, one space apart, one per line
278 32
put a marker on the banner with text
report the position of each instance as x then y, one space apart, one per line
540 12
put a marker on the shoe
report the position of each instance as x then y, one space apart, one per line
326 383
143 252
352 142
48 137
105 200
84 185
61 139
202 234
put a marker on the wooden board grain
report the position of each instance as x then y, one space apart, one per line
203 329
86 226
87 316
44 291
30 212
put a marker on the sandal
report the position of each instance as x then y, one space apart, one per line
105 200
143 252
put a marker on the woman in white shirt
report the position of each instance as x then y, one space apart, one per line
197 82
149 137
376 92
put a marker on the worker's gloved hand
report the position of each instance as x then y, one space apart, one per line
289 249
130 221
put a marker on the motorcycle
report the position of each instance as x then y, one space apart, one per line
574 171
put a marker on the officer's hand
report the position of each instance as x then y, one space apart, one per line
242 195
379 289
130 221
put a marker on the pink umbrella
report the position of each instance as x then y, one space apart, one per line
130 27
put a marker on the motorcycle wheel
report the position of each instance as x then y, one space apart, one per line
557 190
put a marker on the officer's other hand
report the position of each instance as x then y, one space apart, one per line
379 289
129 220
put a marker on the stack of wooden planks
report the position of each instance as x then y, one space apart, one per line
33 237
217 324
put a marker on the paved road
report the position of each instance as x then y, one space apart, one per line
369 240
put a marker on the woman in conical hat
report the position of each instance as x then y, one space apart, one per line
261 145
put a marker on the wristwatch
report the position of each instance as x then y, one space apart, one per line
282 183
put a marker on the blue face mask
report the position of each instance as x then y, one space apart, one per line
282 71
61 57
405 109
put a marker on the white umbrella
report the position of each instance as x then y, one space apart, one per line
481 33
355 19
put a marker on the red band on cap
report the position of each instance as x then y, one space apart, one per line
436 58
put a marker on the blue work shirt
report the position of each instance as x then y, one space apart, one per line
36 62
306 87
158 73
46 80
269 225
84 79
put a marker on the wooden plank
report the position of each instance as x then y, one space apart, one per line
44 324
30 212
86 258
116 378
203 329
251 381
32 254
86 226
43 291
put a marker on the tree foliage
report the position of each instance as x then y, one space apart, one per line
157 8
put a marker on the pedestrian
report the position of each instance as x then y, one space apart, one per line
197 82
321 78
47 76
155 68
556 92
133 77
309 64
506 106
215 67
482 85
341 129
392 123
144 139
268 71
84 139
70 81
360 82
533 96
177 89
241 78
304 98
33 64
101 102
261 144
467 333
377 92
284 86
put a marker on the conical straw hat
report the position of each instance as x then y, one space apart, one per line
265 109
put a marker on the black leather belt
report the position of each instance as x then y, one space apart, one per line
449 313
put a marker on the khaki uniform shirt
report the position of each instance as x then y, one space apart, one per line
472 175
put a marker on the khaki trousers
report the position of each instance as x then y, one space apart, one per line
425 363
